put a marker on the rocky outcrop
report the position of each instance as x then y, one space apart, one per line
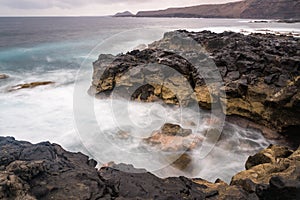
174 139
249 9
272 173
260 75
3 76
46 171
29 85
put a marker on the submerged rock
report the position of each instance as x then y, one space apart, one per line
46 171
29 85
173 138
175 130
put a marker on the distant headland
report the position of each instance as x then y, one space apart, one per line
250 9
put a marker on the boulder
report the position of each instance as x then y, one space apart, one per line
273 173
173 138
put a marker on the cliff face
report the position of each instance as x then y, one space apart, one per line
273 9
269 9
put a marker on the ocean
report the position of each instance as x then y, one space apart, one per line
62 49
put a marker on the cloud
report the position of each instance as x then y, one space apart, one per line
43 4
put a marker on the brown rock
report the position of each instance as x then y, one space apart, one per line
173 138
29 85
3 76
276 166
182 162
175 130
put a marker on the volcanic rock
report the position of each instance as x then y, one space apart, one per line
29 85
259 75
174 138
272 173
46 171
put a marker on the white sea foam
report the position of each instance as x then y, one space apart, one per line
46 114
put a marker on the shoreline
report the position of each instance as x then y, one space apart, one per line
44 170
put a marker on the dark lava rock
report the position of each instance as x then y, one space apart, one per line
46 171
260 73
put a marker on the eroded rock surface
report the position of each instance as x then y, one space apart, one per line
46 171
260 74
273 173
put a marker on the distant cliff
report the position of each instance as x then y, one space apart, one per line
124 14
268 9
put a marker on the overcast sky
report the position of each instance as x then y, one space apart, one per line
90 7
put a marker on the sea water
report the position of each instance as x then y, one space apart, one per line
62 49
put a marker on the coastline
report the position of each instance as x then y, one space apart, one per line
46 171
242 186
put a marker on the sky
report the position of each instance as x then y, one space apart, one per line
90 7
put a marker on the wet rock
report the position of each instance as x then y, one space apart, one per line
29 85
173 138
280 188
221 190
260 74
146 186
46 171
273 172
3 76
175 130
182 162
269 155
50 172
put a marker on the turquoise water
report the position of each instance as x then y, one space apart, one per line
54 49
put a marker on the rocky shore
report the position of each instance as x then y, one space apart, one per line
46 171
257 87
260 75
